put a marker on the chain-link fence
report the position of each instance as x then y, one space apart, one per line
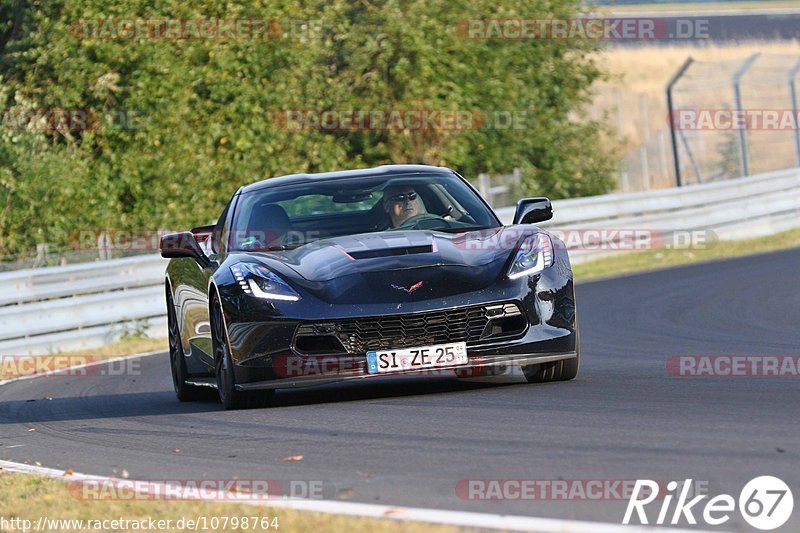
639 124
500 190
722 120
650 166
734 118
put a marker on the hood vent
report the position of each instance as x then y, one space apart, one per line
387 252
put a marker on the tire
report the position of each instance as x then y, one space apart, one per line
563 370
223 363
177 362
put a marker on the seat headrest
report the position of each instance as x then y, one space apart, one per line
272 220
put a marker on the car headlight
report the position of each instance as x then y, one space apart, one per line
260 282
533 255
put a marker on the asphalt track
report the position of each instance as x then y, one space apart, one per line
410 441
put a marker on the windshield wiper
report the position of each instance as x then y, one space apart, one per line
279 248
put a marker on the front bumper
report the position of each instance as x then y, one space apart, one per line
479 366
262 333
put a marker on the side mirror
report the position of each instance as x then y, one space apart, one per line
183 244
533 210
204 235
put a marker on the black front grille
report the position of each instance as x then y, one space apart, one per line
361 335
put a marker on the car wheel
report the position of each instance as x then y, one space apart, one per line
177 363
226 379
563 370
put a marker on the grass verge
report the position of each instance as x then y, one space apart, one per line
129 346
12 366
630 262
27 497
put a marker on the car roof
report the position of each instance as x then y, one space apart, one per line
384 170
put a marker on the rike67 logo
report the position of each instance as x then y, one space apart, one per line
765 503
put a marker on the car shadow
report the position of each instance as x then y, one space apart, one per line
374 389
161 403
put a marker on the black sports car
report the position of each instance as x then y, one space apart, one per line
312 278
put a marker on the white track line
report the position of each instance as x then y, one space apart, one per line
369 510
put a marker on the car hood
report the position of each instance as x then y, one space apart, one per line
393 266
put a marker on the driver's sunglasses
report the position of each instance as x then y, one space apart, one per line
403 197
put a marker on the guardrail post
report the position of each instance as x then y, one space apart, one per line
737 78
670 108
793 94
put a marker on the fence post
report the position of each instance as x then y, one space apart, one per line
42 251
623 178
670 108
793 93
104 246
737 93
646 181
662 156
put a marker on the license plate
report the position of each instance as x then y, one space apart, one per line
384 361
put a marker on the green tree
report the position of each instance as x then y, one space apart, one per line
181 124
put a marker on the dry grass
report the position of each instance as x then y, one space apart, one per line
30 497
129 346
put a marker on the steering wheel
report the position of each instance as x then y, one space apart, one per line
425 221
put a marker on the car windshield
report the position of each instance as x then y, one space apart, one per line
275 218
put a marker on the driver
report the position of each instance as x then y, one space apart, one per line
400 203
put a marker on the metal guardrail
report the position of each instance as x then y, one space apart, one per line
78 306
734 209
53 309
